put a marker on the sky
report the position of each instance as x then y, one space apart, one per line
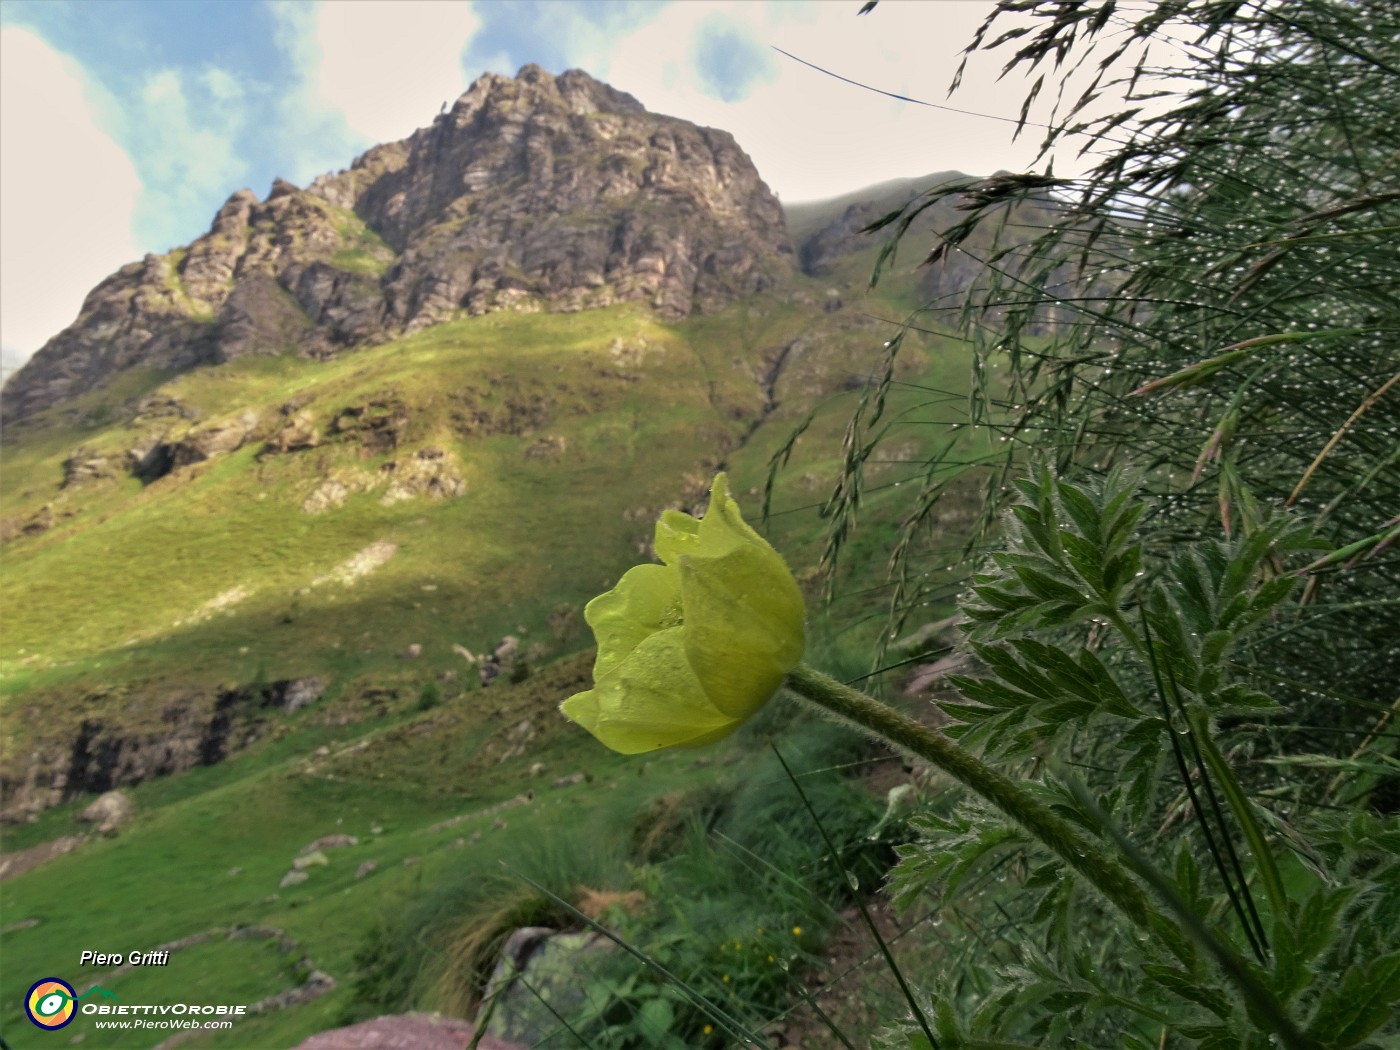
125 124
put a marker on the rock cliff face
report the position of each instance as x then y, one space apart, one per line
190 730
537 193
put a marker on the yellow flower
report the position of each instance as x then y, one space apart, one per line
687 650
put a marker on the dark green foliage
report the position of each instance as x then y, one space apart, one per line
429 696
1188 626
1136 708
737 894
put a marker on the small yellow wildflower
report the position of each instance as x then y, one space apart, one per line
797 931
689 649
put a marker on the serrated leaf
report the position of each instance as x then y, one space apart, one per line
1236 699
1003 598
1362 1003
945 1023
990 692
1084 512
1181 983
1065 711
1009 669
1066 999
1085 558
1121 570
1046 587
968 714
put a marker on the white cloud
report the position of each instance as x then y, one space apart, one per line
811 135
186 129
221 84
389 64
67 193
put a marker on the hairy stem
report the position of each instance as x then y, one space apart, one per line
1052 831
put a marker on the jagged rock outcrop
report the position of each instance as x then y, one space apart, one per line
533 193
193 729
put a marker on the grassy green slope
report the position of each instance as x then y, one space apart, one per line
210 574
210 848
115 608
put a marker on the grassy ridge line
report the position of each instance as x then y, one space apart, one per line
114 594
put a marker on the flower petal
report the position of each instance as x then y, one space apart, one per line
650 700
639 606
723 519
743 616
676 533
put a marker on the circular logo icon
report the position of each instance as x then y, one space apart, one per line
49 1003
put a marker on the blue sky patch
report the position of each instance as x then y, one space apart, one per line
730 63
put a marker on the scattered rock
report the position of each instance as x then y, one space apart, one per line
365 868
17 863
430 473
218 603
406 1032
572 779
297 434
536 768
362 563
315 986
413 652
292 878
501 658
548 447
292 694
86 466
409 862
376 427
109 811
334 491
309 860
518 740
217 439
258 933
537 980
329 842
234 871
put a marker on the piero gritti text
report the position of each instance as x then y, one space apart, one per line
153 958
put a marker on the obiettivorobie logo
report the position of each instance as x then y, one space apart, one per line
52 1004
51 1001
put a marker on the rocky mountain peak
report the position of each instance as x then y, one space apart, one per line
538 192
